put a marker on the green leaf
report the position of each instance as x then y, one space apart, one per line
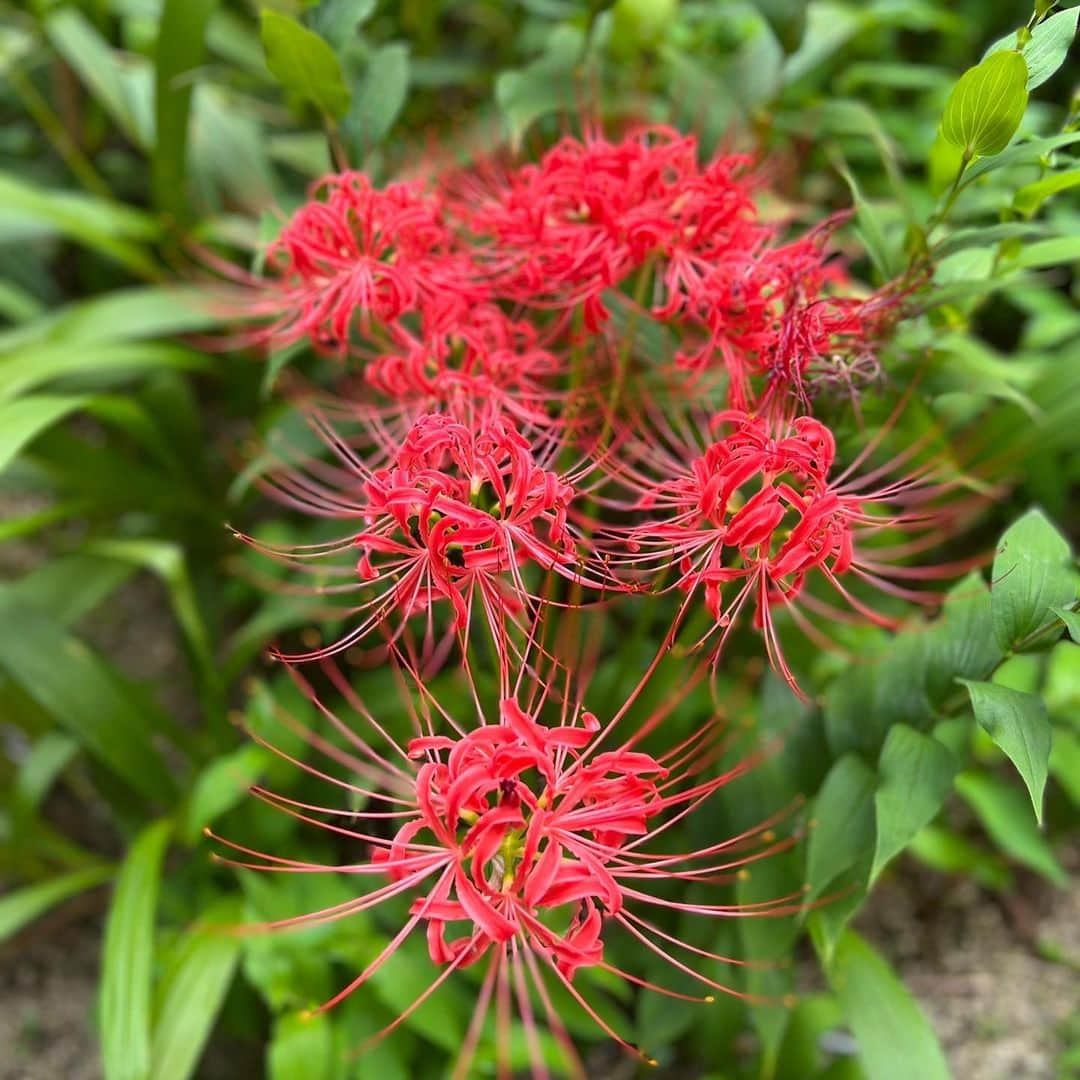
986 106
223 784
128 958
916 777
192 992
895 1040
67 587
1046 49
67 679
944 163
304 64
1018 723
1071 619
787 18
1031 576
21 907
181 46
1030 197
336 20
1057 252
22 420
954 854
842 827
31 367
122 84
1006 816
1065 763
378 98
302 1046
113 229
545 85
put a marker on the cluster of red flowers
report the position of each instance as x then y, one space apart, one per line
562 382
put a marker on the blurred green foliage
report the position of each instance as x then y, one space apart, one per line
139 135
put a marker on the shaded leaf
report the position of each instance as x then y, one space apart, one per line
1006 815
181 45
21 907
1031 576
843 823
378 98
304 64
23 419
67 679
192 992
128 958
895 1040
1018 723
916 777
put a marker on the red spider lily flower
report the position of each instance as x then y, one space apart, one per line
752 517
359 256
593 211
770 316
456 515
486 361
521 841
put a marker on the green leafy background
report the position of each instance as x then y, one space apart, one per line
138 135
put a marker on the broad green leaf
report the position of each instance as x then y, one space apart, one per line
545 85
122 84
1031 576
128 958
21 907
1046 49
986 106
951 853
21 420
1026 152
787 18
113 229
220 786
378 98
181 46
1065 763
133 314
67 679
192 992
637 23
337 20
67 587
1071 619
943 164
1018 723
304 64
1059 251
842 826
302 1046
1031 196
35 366
895 1040
916 777
1006 816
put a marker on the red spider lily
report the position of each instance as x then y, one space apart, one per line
592 211
456 515
752 517
520 842
486 361
355 255
770 317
